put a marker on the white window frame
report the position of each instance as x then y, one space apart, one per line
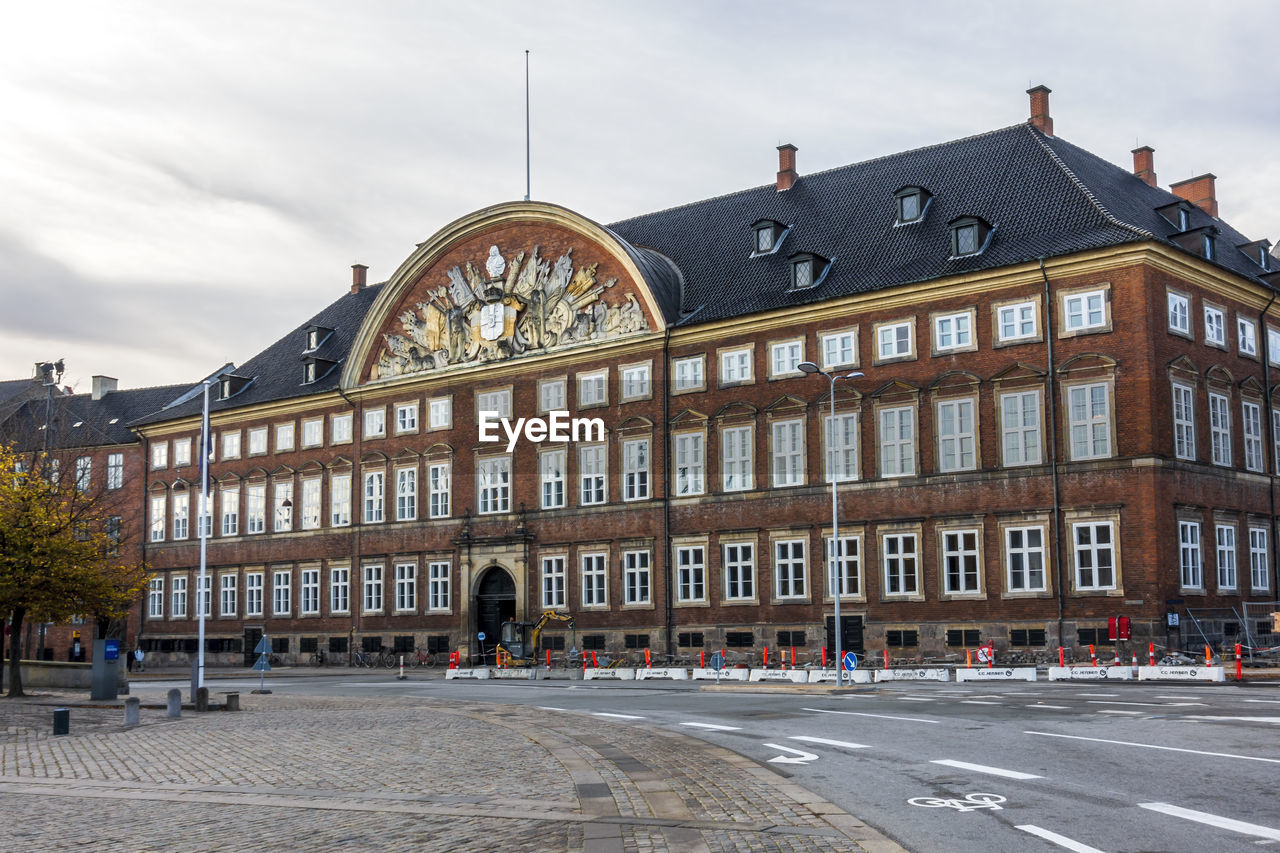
309 592
407 494
953 331
1184 421
1226 557
900 564
739 570
1179 312
897 440
281 592
737 457
839 348
1190 556
957 434
637 577
593 389
339 589
1020 560
340 499
493 484
1251 431
848 567
439 493
593 474
257 441
1089 553
204 595
635 469
309 516
1085 311
553 577
115 470
785 358
1220 428
282 506
1215 326
552 395
594 577
375 423
966 556
1017 322
178 597
691 573
1246 336
790 569
736 366
231 444
895 341
254 593
340 428
439 413
1259 559
181 452
371 597
406 418
406 574
636 381
155 598
688 374
841 447
312 432
285 435
497 401
159 455
439 575
1020 441
553 478
787 452
374 496
181 515
690 463
1089 420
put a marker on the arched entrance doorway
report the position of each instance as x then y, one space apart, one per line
495 603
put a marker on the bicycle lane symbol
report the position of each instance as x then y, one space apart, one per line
970 803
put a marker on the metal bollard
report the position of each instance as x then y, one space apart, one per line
202 700
175 703
132 711
62 721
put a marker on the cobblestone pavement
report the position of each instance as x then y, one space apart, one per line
391 774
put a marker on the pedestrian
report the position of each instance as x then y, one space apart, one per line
128 661
138 657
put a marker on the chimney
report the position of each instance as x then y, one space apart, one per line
1144 164
103 385
1040 118
358 277
1199 191
787 176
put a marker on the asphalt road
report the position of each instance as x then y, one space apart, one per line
965 767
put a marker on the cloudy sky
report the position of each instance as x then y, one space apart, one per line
183 182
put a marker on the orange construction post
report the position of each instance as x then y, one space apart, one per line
968 658
766 656
824 657
793 656
1151 654
595 662
1093 658
702 659
646 659
1239 664
1062 657
548 658
1208 656
886 658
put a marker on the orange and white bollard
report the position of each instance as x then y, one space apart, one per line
1093 657
1208 656
647 665
1239 664
1151 654
453 660
991 656
1135 665
793 656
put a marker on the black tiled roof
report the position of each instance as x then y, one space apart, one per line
80 421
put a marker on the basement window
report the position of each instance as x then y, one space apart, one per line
969 236
911 204
767 236
807 270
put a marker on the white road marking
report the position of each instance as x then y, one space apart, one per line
1154 746
1265 701
982 768
1237 719
1052 707
548 708
802 757
1182 697
1060 840
828 742
1115 711
616 716
1142 704
917 699
1214 820
877 716
713 727
978 702
1098 695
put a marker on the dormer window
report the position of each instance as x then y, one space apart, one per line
1200 241
767 236
969 235
316 335
315 368
231 384
807 270
1177 214
1259 251
911 203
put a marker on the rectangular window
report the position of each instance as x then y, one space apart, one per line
551 395
848 566
115 470
310 592
157 516
438 477
493 484
893 340
1215 331
688 373
374 495
340 500
842 448
551 475
1016 322
901 572
439 413
1226 553
438 589
160 455
1273 345
691 573
313 432
282 506
594 581
84 473
310 516
373 589
406 417
257 441
498 402
635 575
553 577
1247 336
231 445
952 331
255 511
181 515
227 596
155 598
253 583
1251 416
178 597
592 474
636 382
406 494
739 571
1025 558
960 561
1184 422
339 590
690 464
635 469
284 437
788 569
1259 565
785 357
839 349
1020 428
957 441
281 593
788 453
735 366
204 595
1189 555
1085 310
1090 421
375 422
593 389
1095 555
406 587
340 429
897 442
1179 313
737 461
1220 428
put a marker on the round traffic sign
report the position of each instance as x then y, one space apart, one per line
850 660
480 636
717 661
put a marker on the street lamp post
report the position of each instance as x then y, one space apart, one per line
833 554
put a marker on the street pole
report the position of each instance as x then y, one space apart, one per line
203 526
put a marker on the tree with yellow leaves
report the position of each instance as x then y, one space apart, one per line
58 551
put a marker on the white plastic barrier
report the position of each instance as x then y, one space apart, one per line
708 674
910 674
616 674
677 673
855 676
795 676
478 672
520 673
1091 673
1181 673
999 673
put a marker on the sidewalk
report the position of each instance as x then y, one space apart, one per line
392 773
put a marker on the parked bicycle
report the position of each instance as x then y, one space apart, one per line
318 658
421 658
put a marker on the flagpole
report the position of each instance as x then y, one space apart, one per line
203 526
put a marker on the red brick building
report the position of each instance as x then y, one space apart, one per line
1064 415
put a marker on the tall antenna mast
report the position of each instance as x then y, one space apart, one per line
527 179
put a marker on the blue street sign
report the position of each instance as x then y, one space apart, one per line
480 636
263 646
717 661
111 650
850 660
263 665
